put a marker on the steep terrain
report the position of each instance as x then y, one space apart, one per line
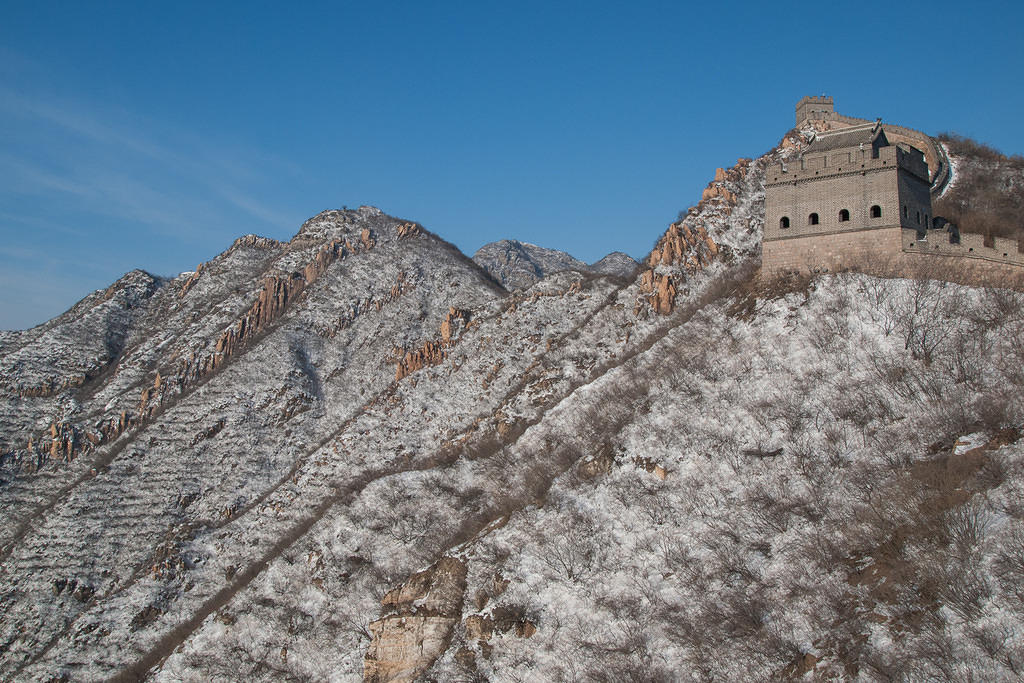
986 195
355 456
517 265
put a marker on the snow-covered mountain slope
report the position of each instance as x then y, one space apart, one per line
517 265
355 456
615 263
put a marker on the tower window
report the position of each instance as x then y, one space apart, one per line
812 219
918 217
784 222
844 215
876 211
906 213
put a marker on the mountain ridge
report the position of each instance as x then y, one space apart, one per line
517 265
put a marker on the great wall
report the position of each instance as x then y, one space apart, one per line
859 195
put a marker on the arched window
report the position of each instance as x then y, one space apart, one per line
876 211
844 215
812 219
918 217
784 222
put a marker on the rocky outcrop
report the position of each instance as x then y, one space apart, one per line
682 246
422 613
453 324
277 292
686 247
660 289
409 230
433 352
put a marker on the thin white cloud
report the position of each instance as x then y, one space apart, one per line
218 173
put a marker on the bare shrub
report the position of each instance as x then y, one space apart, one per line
964 591
1009 566
926 315
576 546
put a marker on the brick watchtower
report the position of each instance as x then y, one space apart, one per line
844 202
814 109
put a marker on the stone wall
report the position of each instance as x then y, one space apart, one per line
915 202
896 252
858 249
936 242
855 192
897 181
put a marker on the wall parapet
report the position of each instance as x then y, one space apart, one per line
971 246
831 165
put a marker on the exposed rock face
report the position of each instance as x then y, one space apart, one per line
681 246
518 265
433 352
423 612
687 247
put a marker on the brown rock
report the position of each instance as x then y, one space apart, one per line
453 323
498 585
595 467
409 230
191 281
664 298
401 648
424 610
433 353
525 629
479 627
437 589
466 659
366 238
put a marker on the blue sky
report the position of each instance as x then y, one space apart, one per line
139 136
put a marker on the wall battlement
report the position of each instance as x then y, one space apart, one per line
971 246
845 162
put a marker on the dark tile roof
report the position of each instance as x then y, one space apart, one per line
847 137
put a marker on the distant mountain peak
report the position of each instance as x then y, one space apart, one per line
518 265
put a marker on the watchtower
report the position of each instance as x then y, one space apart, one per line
811 108
844 201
